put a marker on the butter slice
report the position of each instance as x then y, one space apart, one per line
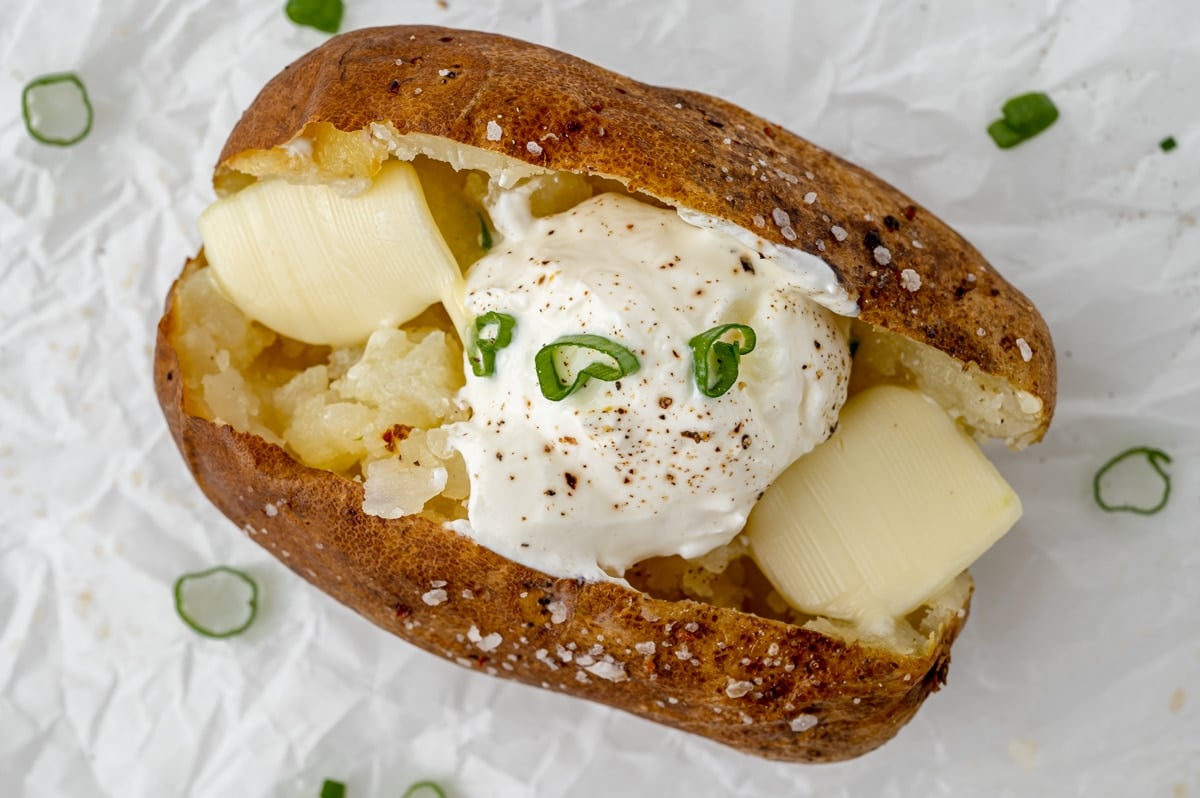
878 518
327 269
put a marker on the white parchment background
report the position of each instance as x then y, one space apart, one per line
1077 674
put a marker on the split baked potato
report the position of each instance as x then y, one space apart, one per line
700 647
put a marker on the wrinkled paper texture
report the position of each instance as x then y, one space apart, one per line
1077 674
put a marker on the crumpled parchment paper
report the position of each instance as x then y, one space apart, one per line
1078 671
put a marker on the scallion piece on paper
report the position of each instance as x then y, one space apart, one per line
218 602
553 364
1156 459
415 789
493 331
1168 144
715 362
56 109
1023 118
324 15
333 789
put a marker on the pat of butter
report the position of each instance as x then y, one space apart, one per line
327 269
882 515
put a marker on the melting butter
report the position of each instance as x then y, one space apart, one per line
882 515
327 269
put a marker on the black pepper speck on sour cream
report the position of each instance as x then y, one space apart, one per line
647 465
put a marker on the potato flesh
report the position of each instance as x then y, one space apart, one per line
341 409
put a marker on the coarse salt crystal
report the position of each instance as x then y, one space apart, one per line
434 597
1026 350
646 649
683 652
534 148
758 221
809 175
917 244
581 677
821 245
691 627
417 90
773 649
494 132
468 594
558 611
678 105
787 232
672 699
971 278
490 642
399 62
910 280
746 719
839 233
780 217
883 255
728 141
803 722
612 671
563 654
810 198
438 583
981 332
271 510
735 688
443 73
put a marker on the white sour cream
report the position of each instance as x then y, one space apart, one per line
647 465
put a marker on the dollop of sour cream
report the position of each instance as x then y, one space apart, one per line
647 465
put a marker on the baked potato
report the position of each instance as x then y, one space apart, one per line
250 410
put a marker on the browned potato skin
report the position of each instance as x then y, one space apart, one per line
607 124
382 568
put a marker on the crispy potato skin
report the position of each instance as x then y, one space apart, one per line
670 144
387 570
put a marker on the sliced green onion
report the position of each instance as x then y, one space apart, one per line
1168 144
710 354
1024 117
1004 136
481 352
1156 458
324 15
485 233
333 789
555 386
413 789
207 601
44 105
